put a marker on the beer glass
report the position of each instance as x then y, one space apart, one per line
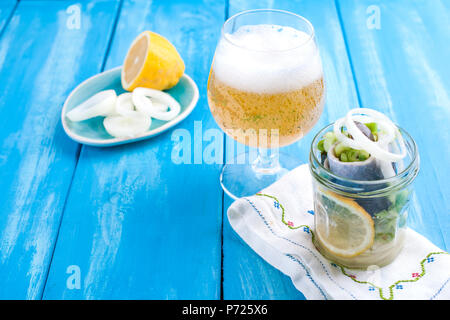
265 90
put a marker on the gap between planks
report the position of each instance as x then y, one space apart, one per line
80 146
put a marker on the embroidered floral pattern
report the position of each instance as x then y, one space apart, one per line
415 277
372 287
278 205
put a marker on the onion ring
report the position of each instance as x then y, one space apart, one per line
125 106
338 124
100 104
374 148
126 127
161 99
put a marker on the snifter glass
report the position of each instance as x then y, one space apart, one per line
265 90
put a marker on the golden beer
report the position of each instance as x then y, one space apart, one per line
291 113
266 86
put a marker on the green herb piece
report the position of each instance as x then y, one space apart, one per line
320 146
363 155
388 221
373 127
328 140
401 199
339 148
342 152
352 155
346 154
386 225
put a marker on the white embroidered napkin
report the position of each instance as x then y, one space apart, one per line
277 223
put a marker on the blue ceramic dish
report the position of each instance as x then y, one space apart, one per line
92 132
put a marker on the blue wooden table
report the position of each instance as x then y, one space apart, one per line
127 220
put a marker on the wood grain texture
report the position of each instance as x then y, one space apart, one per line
6 9
138 225
41 60
246 275
402 70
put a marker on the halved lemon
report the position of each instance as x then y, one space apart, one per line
343 227
151 62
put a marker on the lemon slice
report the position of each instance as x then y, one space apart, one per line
343 227
151 62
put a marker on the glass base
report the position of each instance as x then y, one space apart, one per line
243 176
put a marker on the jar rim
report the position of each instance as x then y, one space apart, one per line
393 181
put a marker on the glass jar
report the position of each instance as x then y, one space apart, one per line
361 223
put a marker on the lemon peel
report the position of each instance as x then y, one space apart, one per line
151 62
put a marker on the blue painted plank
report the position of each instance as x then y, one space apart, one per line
41 60
246 275
401 63
137 225
6 8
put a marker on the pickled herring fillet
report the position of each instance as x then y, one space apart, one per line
366 170
365 130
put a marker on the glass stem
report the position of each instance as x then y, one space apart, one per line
267 161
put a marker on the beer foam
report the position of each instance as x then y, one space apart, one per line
267 59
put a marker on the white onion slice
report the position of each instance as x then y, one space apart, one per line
160 99
386 133
385 124
338 124
382 120
153 104
376 149
163 107
125 106
127 127
100 104
363 118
